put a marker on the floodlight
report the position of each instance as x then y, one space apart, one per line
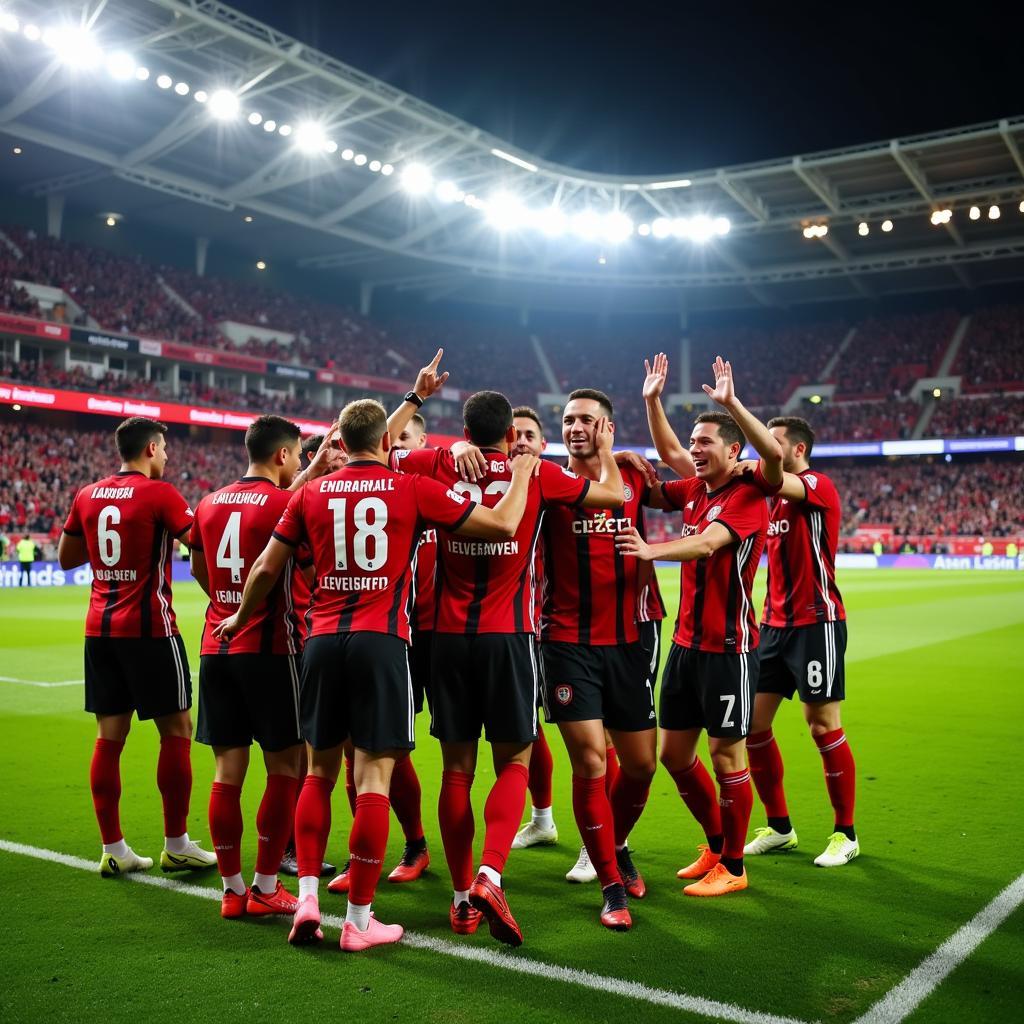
863 228
74 47
347 154
164 82
416 179
974 213
887 226
552 221
375 166
994 212
200 96
260 265
270 125
387 170
111 222
617 226
1021 207
587 224
661 227
121 66
309 137
722 226
702 228
32 33
330 146
447 192
255 118
360 160
9 22
142 74
936 392
224 106
644 230
284 131
181 88
815 399
505 211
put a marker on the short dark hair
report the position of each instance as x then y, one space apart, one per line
598 396
362 424
797 430
728 428
268 433
132 436
487 416
526 413
419 421
312 445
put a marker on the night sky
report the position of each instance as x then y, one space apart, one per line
640 87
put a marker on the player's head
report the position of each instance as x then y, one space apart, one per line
487 416
795 436
715 444
364 429
529 432
336 458
142 443
415 434
274 443
579 420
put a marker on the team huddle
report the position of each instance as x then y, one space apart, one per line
353 578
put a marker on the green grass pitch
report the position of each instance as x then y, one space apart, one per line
934 716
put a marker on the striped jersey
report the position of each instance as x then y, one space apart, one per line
129 523
426 566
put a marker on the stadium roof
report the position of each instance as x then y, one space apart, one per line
465 215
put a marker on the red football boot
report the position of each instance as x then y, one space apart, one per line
414 862
232 904
615 912
490 900
630 876
464 918
339 884
280 901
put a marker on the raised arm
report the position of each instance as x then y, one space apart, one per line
502 521
606 491
688 549
262 577
670 448
428 382
320 463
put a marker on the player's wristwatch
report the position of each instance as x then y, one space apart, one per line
411 396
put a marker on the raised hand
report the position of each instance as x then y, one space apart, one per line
428 380
627 458
723 392
326 459
604 434
657 374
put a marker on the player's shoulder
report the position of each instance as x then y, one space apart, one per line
817 481
556 471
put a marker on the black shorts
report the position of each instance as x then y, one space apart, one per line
538 657
243 697
809 660
613 684
358 685
488 682
706 690
147 675
419 666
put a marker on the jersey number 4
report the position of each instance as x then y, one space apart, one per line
370 517
229 551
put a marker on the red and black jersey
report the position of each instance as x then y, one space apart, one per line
426 566
650 606
490 586
362 525
802 541
129 523
232 527
593 592
716 612
301 595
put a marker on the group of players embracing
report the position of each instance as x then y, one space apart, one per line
351 576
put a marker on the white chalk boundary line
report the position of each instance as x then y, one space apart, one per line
36 682
444 947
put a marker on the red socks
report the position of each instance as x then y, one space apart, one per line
594 820
541 769
736 802
406 796
105 782
503 813
628 800
455 816
366 845
274 822
174 780
312 824
767 771
611 771
350 785
226 828
698 793
840 774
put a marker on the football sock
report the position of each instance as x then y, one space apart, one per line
611 771
597 827
455 817
406 797
309 886
460 896
840 776
542 817
105 782
628 800
767 771
502 814
734 865
848 831
736 799
494 876
266 884
274 824
118 849
781 825
367 843
312 824
541 768
358 915
698 793
177 844
715 843
226 828
350 785
234 883
174 779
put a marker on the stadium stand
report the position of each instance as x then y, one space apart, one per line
999 415
992 355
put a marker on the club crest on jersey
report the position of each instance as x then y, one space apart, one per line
713 513
627 492
563 694
811 480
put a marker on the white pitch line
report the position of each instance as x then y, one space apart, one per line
37 682
503 960
901 1001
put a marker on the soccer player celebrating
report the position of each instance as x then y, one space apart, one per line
361 524
710 677
249 685
484 670
803 643
125 526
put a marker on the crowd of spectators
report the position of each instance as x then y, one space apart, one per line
863 421
993 415
992 353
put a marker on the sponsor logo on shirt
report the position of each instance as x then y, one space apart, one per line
811 480
459 499
713 513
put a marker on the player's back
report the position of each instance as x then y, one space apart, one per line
232 527
129 523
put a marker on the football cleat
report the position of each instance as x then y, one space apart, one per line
615 912
766 840
702 865
193 859
290 865
630 876
280 901
582 870
131 861
464 918
490 900
354 941
532 834
339 884
840 851
717 882
306 923
232 904
415 860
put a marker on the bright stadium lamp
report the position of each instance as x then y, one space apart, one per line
587 224
32 33
417 179
552 221
1021 207
200 96
360 160
223 105
284 130
347 154
887 226
181 88
74 47
121 66
661 227
164 82
617 226
974 213
8 22
387 170
505 211
255 118
722 226
330 146
644 230
142 74
702 228
309 138
994 212
270 125
863 228
447 191
375 166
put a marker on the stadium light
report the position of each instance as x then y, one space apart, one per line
284 130
32 33
200 96
255 118
941 217
247 218
111 221
661 227
360 159
387 170
644 230
9 22
815 399
224 106
142 74
181 88
587 224
512 159
505 211
270 125
448 192
416 179
552 221
164 82
617 226
994 212
260 265
602 259
74 47
722 226
936 392
17 151
309 138
974 213
1021 207
121 66
863 228
657 186
347 154
375 166
887 226
330 146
